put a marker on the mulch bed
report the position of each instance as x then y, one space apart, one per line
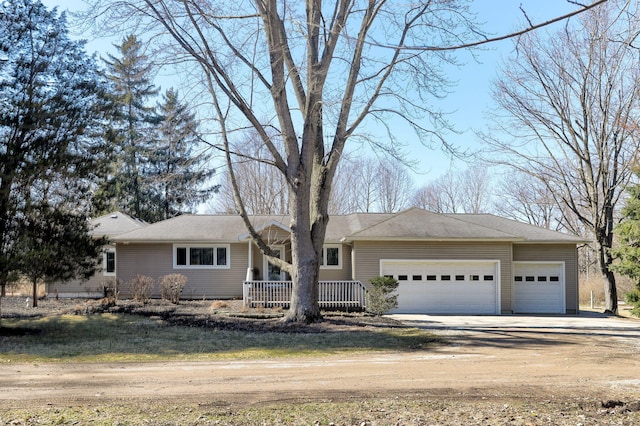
215 314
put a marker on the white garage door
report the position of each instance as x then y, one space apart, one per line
538 288
456 287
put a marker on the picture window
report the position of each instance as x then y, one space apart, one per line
201 257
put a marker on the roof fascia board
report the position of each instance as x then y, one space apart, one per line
191 242
497 240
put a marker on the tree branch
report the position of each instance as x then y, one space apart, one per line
493 39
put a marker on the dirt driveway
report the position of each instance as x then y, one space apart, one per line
587 356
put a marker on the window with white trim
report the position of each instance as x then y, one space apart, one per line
331 257
201 256
109 262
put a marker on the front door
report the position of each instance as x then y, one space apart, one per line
273 272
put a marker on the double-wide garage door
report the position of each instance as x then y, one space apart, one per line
451 287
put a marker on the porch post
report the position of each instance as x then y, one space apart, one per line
249 276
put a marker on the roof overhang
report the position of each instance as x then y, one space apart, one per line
263 227
348 240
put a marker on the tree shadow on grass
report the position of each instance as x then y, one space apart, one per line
18 331
127 337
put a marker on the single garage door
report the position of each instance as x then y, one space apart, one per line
538 288
451 287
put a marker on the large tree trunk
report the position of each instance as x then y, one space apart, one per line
610 289
604 236
304 256
35 294
304 295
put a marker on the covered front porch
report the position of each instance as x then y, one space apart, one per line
266 285
343 295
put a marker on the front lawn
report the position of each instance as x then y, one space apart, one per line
114 337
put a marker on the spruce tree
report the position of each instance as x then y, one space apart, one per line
56 245
627 254
133 123
180 174
52 109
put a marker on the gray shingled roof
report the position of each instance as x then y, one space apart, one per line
528 232
115 223
418 224
197 228
412 224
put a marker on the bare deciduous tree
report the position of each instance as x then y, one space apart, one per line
354 189
367 185
394 186
466 191
262 187
319 70
526 199
569 104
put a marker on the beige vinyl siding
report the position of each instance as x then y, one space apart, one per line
369 253
93 287
344 273
566 253
156 260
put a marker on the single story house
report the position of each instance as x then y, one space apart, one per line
109 225
445 263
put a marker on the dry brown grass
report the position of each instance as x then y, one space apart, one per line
24 288
219 304
595 283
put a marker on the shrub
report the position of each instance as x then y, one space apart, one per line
111 288
633 298
171 287
381 297
141 288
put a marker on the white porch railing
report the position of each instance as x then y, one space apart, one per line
331 294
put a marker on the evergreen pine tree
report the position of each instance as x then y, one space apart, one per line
55 245
133 122
179 174
52 108
627 253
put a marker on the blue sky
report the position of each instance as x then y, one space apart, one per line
470 98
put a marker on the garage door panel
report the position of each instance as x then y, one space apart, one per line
538 288
444 287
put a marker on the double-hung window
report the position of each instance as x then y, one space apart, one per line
201 256
331 257
109 262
